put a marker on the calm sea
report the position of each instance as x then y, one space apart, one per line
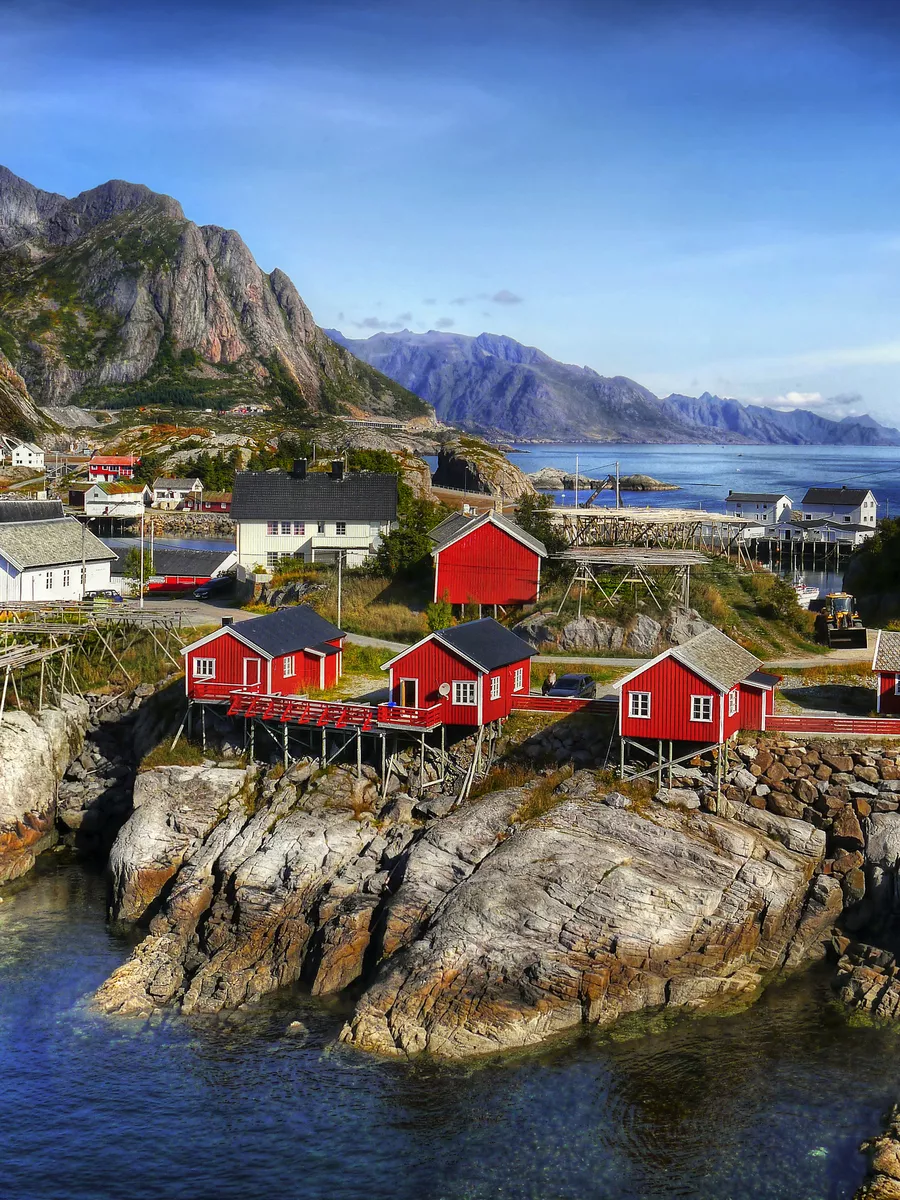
770 1104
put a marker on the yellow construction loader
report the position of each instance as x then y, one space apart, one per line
838 622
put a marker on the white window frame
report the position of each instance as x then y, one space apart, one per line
495 687
204 668
299 528
49 582
519 679
340 528
636 704
290 666
271 558
272 528
67 575
285 528
700 705
465 688
734 702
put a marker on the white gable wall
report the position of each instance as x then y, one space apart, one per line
52 583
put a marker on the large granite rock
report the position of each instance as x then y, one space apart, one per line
34 753
174 809
587 914
883 1153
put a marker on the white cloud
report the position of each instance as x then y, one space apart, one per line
835 407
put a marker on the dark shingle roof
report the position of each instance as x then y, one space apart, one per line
763 679
14 511
755 497
174 560
50 544
841 495
275 495
289 629
486 643
887 651
456 525
719 660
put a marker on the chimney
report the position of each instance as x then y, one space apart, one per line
226 621
337 469
298 471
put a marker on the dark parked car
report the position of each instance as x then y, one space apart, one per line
108 594
575 687
213 587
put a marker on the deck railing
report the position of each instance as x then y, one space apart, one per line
813 724
334 714
531 702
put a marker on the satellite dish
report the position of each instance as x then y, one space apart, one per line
444 689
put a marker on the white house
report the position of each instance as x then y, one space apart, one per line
173 493
765 507
27 455
310 515
116 499
51 560
843 505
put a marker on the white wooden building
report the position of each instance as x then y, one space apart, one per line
765 507
116 499
26 454
843 505
312 516
174 493
58 559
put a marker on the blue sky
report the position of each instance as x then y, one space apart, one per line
702 197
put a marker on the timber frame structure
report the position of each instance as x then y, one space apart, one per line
664 760
55 659
663 574
672 528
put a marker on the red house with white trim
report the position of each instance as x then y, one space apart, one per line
486 559
886 665
703 691
284 653
473 671
108 468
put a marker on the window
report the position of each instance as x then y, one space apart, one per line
272 527
285 527
464 692
289 669
847 519
701 708
897 685
271 558
204 668
639 704
734 701
49 581
519 679
340 528
299 528
321 527
495 687
66 577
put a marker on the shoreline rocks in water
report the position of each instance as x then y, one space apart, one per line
35 752
883 1152
554 479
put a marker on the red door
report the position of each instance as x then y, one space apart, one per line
251 674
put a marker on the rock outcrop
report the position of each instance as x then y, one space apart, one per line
642 635
469 465
553 479
19 415
883 1153
35 751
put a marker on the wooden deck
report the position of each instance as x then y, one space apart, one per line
331 714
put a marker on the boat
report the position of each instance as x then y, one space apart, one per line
805 592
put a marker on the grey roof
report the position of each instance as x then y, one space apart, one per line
763 679
51 544
177 485
486 643
841 495
175 560
719 660
832 523
887 651
275 495
30 510
297 627
458 524
756 497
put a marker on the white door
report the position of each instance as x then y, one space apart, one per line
251 674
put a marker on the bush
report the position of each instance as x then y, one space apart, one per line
439 615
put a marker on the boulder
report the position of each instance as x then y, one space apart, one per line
678 798
644 635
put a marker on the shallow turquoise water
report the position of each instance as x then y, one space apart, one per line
770 1104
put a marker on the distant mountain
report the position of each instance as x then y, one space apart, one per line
19 415
493 384
114 299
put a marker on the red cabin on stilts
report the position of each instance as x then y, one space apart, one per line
703 691
284 653
486 559
474 671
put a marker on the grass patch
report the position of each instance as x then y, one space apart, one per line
365 660
499 778
376 606
542 798
185 754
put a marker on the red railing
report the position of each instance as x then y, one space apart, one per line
334 714
212 691
854 725
563 704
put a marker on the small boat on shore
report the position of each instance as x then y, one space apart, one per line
805 592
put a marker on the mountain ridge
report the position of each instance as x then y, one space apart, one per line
490 383
114 298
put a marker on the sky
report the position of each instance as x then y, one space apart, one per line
702 197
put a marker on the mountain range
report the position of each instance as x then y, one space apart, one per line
114 299
492 384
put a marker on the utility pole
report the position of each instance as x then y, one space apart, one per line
340 555
576 480
142 561
618 492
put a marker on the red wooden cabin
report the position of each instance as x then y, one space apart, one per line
486 559
886 665
209 502
472 671
284 653
109 468
703 691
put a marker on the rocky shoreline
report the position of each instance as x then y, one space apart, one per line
554 479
